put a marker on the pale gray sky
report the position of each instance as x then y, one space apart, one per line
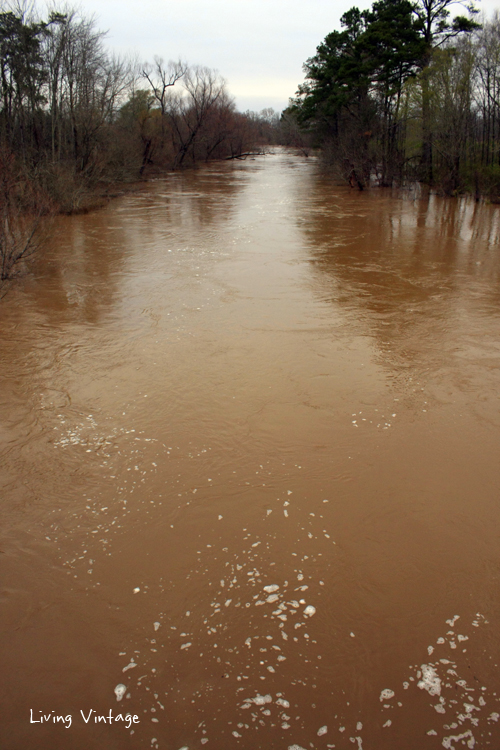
257 45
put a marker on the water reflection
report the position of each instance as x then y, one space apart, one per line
76 277
226 481
420 275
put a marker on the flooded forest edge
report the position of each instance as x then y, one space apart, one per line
403 93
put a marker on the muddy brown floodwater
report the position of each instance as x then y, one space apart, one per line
250 470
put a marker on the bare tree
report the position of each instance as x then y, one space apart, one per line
22 208
162 77
203 89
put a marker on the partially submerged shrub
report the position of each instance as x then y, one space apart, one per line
22 206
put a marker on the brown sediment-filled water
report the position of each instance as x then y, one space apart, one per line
250 439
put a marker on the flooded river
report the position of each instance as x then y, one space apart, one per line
250 438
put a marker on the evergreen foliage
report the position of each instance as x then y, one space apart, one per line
394 93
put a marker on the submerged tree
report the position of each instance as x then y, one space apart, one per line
22 208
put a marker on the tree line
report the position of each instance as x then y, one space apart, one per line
75 119
406 92
71 113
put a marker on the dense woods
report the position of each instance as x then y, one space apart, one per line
405 92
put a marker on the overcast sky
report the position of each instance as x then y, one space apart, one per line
257 45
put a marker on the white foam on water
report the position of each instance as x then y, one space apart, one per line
283 702
129 666
386 694
260 700
271 588
447 741
322 730
310 611
156 625
120 691
430 680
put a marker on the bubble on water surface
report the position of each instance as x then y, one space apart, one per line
260 700
120 691
386 694
430 680
447 741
